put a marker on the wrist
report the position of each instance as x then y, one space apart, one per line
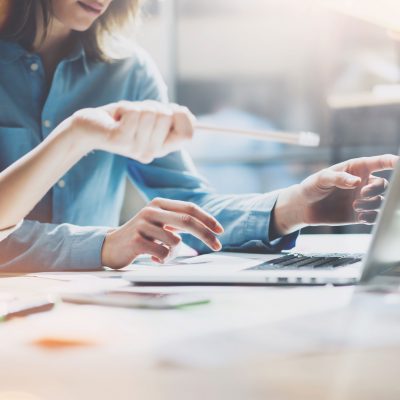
82 140
108 258
93 130
71 139
105 250
288 214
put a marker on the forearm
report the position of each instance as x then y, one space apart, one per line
25 182
246 220
262 218
46 247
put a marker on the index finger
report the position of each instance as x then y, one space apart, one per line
381 163
191 209
184 122
182 110
117 108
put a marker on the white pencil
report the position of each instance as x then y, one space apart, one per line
308 139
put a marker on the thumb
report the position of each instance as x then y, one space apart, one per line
114 110
104 120
331 179
119 109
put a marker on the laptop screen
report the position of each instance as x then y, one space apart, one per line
384 251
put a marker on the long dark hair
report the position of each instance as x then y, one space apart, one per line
21 25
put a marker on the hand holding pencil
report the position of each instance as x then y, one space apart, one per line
147 130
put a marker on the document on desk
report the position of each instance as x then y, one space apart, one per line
206 262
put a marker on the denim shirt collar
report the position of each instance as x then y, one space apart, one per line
12 51
78 53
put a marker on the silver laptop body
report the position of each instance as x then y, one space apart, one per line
381 264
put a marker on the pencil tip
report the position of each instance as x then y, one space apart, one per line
309 139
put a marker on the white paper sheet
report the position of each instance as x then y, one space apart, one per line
207 263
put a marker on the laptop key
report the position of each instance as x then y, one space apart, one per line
326 262
345 261
294 261
306 262
334 262
283 259
299 261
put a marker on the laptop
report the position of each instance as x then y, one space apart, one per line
380 265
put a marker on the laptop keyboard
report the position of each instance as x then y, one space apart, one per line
300 261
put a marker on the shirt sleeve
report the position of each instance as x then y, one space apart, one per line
152 85
245 218
7 232
37 247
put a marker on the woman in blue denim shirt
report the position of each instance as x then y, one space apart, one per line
27 180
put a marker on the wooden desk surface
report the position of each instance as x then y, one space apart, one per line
238 347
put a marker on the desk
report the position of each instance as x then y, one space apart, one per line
142 354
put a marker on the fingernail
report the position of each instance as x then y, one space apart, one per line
361 218
217 246
365 193
219 229
352 181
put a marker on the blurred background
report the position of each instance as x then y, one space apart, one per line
277 64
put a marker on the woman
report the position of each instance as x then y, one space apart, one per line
56 57
27 180
162 128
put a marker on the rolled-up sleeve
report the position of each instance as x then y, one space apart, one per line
47 247
245 218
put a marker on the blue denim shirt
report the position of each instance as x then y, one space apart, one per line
67 228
